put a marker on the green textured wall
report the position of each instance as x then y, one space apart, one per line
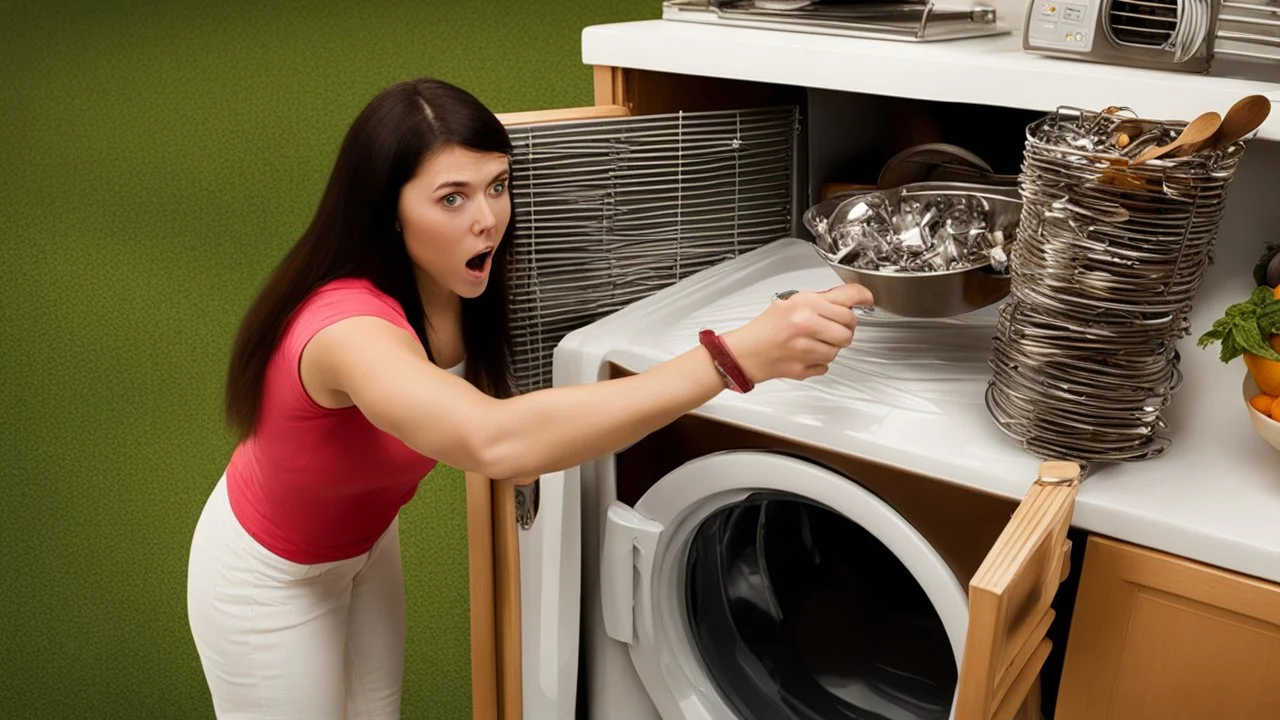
156 158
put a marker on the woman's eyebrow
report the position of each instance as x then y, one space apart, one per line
452 184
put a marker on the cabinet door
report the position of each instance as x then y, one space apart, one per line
1009 602
493 536
609 207
493 540
1157 636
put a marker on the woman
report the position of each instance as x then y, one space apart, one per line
379 347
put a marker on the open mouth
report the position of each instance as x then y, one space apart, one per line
477 263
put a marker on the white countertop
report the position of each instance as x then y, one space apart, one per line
911 397
985 71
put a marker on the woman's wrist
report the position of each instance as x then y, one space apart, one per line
726 363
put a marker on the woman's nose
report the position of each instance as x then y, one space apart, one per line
485 219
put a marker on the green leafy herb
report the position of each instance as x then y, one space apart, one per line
1269 316
1247 327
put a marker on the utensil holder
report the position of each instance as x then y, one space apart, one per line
1108 260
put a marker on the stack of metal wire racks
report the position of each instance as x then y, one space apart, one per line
610 211
1107 262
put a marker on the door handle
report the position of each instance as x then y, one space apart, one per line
630 543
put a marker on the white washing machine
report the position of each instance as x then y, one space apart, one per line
801 551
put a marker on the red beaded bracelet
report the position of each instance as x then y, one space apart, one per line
734 378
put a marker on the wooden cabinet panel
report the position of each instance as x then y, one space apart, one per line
645 92
1009 599
493 542
1157 636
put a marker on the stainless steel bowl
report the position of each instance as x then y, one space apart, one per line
930 295
936 294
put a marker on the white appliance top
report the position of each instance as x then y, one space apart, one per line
909 394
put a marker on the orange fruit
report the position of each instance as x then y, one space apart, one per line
1275 411
1263 403
1275 292
1265 373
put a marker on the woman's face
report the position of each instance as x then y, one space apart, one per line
453 213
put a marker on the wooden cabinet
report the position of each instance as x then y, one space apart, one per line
1158 636
1151 635
1010 593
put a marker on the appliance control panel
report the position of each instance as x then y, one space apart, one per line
1062 25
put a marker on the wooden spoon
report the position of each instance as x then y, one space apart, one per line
1196 131
1244 117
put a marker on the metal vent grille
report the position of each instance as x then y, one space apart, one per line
1249 30
609 212
1143 23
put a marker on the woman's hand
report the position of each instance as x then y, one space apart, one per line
798 337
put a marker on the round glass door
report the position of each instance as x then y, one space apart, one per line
750 585
798 612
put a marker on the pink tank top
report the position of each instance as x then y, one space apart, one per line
312 484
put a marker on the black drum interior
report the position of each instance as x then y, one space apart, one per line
798 612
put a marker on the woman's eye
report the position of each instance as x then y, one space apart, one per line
452 200
499 187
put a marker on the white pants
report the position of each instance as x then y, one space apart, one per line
284 641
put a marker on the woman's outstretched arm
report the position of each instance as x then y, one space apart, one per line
384 371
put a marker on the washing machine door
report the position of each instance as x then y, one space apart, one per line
751 585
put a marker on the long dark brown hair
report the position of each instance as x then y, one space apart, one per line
353 234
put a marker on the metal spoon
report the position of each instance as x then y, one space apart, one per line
858 308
